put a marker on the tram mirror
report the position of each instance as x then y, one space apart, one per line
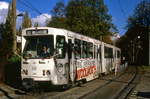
57 52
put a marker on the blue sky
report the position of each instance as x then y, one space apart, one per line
120 10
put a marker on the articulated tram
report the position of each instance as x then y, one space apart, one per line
63 57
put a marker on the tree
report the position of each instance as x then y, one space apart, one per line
26 21
36 24
1 56
87 17
141 15
59 10
7 43
58 22
107 39
136 37
58 16
140 18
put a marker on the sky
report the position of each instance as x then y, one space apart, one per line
120 10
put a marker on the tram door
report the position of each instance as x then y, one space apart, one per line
100 59
72 68
96 57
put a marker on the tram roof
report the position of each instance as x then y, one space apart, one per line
61 31
69 33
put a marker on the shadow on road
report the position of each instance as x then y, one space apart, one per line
144 94
13 75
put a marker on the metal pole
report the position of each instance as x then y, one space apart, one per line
149 44
133 52
14 25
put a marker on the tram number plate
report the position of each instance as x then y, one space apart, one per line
33 68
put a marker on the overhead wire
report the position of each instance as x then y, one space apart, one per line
29 5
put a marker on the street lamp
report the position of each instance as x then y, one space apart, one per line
134 45
17 36
20 14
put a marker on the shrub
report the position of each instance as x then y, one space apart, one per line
14 59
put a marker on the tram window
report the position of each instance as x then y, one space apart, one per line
118 54
61 44
89 50
77 49
84 49
34 46
105 52
69 48
99 51
95 52
108 52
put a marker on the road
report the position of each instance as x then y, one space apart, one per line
108 87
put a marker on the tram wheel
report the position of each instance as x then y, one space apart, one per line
65 87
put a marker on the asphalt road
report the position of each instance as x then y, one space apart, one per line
103 88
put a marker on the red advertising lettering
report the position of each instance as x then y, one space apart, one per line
84 72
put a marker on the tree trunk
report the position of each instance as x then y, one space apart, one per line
14 25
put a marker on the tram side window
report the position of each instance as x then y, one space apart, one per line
70 49
108 52
84 49
118 54
89 50
77 49
95 52
61 44
99 51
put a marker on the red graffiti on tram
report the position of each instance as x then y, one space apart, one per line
84 72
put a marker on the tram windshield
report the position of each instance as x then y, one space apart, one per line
39 47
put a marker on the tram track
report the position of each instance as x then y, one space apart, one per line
55 93
125 92
108 87
107 83
86 90
79 93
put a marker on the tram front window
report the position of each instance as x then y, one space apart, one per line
39 47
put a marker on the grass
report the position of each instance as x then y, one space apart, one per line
144 69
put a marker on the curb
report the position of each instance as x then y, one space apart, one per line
6 90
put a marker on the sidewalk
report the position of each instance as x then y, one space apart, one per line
142 90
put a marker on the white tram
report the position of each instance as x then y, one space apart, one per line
70 58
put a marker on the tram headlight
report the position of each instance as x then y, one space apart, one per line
48 72
60 68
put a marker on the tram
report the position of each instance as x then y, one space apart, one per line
62 57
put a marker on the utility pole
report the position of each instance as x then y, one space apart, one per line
149 45
133 52
14 25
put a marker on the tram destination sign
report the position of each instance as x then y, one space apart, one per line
37 31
